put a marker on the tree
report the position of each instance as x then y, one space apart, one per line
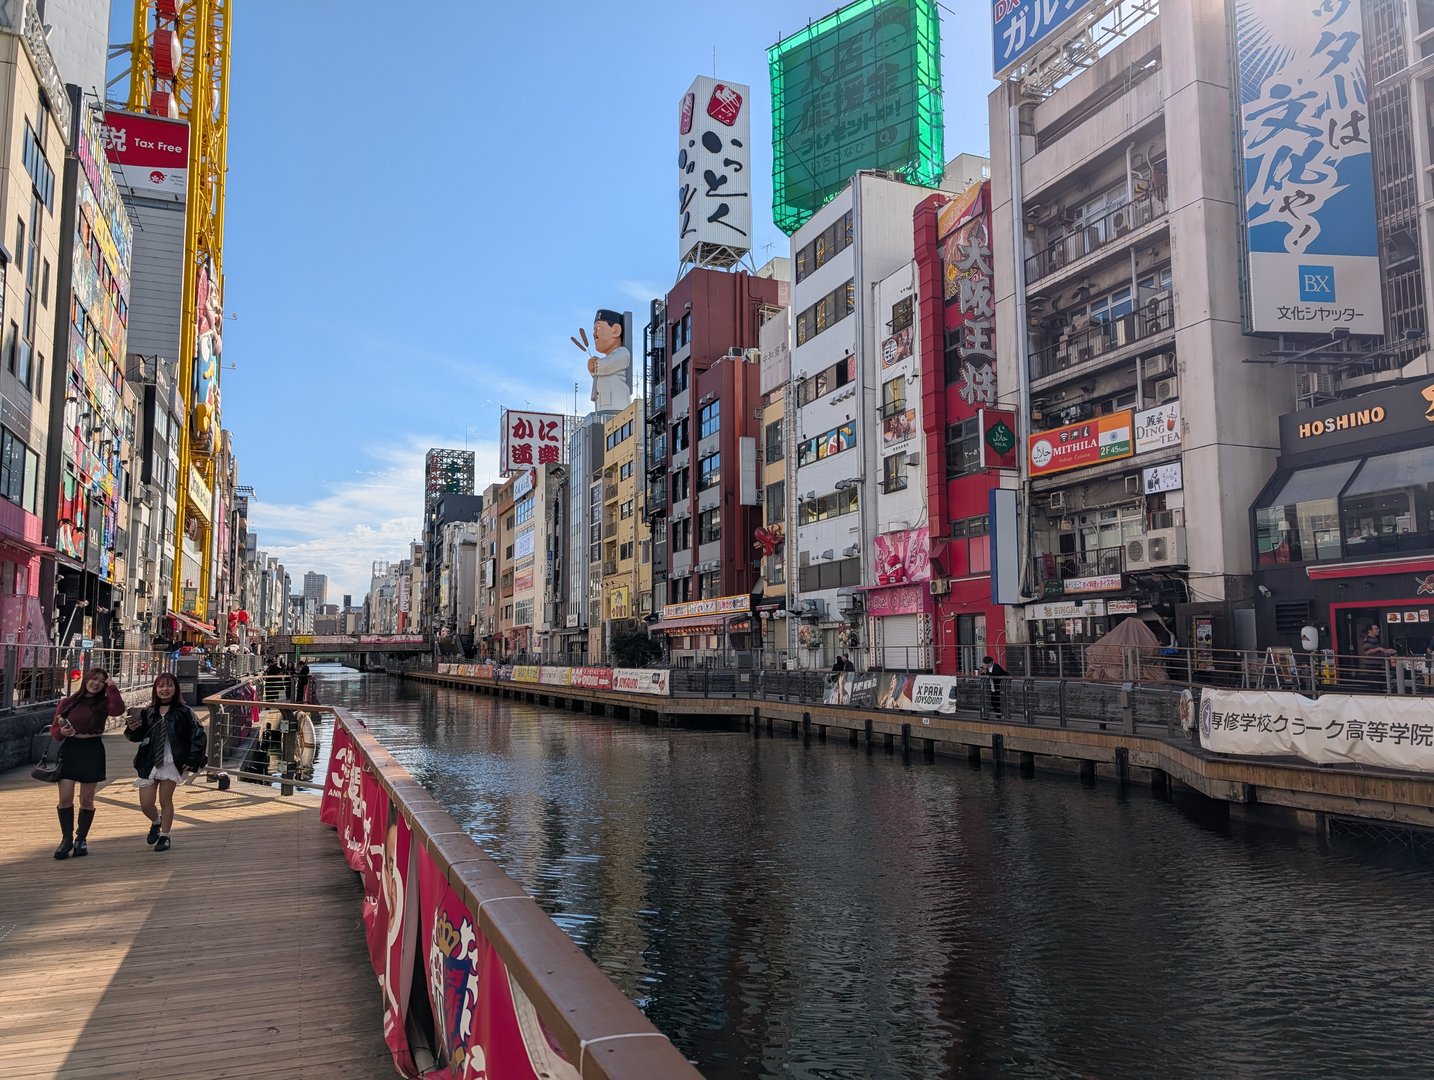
633 648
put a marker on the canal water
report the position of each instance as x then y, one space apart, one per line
782 910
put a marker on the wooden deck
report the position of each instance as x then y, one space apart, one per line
238 953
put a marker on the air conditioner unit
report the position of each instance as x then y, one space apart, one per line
1158 367
1166 390
1158 548
1123 220
1315 382
1058 500
804 558
913 459
1132 485
940 586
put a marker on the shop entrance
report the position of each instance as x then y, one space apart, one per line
1405 627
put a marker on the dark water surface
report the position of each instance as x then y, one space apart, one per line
790 911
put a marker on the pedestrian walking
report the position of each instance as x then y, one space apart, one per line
301 694
172 745
78 725
273 686
994 673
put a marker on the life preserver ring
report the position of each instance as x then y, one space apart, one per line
306 745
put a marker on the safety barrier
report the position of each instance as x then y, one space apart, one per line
474 977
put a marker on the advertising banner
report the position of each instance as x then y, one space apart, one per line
1162 478
896 348
528 673
531 438
776 353
970 315
523 543
148 154
482 671
1157 428
592 678
486 1025
900 600
556 676
1020 27
903 557
1337 729
642 681
1075 446
1309 175
998 439
858 89
932 693
714 172
717 605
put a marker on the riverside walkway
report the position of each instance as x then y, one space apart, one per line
238 953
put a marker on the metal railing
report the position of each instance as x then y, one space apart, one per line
1082 238
1086 338
1097 562
257 733
33 675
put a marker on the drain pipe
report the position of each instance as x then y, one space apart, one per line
1023 364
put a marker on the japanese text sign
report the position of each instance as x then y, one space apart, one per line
149 154
531 439
714 172
1304 120
970 303
1022 26
1092 442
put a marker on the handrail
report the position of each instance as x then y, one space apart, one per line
577 1004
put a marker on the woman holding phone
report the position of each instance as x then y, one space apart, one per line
172 744
78 725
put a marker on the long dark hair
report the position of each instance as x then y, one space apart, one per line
164 676
85 679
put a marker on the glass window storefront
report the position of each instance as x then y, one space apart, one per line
1301 524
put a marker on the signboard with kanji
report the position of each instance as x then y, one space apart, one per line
531 438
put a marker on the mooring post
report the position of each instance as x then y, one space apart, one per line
1087 772
1160 784
998 750
1028 763
973 755
870 734
906 740
1122 767
806 725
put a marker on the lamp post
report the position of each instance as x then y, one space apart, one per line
759 590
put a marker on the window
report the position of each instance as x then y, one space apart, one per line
893 473
833 240
523 613
901 314
893 396
709 419
775 501
830 575
824 382
524 510
682 332
951 356
828 506
624 551
31 502
963 448
45 285
709 526
970 535
624 470
682 534
772 440
42 177
709 586
681 486
826 444
624 510
826 312
12 467
709 472
509 523
680 441
679 378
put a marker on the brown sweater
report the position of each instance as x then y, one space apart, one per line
88 714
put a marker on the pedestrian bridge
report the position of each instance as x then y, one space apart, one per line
349 644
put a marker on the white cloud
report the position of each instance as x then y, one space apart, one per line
342 532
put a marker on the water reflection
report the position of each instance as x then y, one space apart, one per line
791 911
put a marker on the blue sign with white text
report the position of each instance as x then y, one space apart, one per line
1020 26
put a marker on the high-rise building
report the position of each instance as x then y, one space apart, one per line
626 565
316 588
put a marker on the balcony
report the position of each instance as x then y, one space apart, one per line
892 408
609 492
609 568
657 405
1097 562
1086 237
609 530
1085 338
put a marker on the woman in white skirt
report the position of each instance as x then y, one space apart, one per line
171 743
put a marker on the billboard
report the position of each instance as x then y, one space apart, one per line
903 557
1020 27
208 349
858 89
609 360
714 173
1091 442
148 154
970 316
1307 168
531 438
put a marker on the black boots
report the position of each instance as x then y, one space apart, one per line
82 847
67 830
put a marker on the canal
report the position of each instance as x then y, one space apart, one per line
821 912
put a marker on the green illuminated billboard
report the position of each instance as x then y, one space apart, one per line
859 89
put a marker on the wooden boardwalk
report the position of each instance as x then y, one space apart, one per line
238 953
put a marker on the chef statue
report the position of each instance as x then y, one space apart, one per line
612 369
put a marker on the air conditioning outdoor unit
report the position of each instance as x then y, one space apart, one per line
1315 382
1132 485
1058 500
1123 220
1157 367
1166 390
1161 547
940 586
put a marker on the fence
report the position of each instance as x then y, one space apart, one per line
32 675
259 732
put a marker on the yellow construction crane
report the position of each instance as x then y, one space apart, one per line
179 67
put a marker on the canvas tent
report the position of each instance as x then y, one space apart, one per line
1129 653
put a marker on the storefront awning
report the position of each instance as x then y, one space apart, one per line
1417 564
26 548
188 622
698 626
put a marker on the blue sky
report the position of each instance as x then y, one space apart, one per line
423 203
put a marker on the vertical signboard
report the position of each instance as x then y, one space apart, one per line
531 438
970 302
1308 172
1020 27
858 89
149 154
714 173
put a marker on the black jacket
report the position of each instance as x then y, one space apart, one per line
187 740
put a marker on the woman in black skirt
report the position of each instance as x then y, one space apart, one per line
80 723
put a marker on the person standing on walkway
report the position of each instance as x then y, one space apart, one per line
79 724
994 672
301 692
273 674
172 743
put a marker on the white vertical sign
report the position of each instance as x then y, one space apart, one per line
714 172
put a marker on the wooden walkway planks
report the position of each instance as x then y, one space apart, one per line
238 953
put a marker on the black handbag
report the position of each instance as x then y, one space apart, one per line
47 770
